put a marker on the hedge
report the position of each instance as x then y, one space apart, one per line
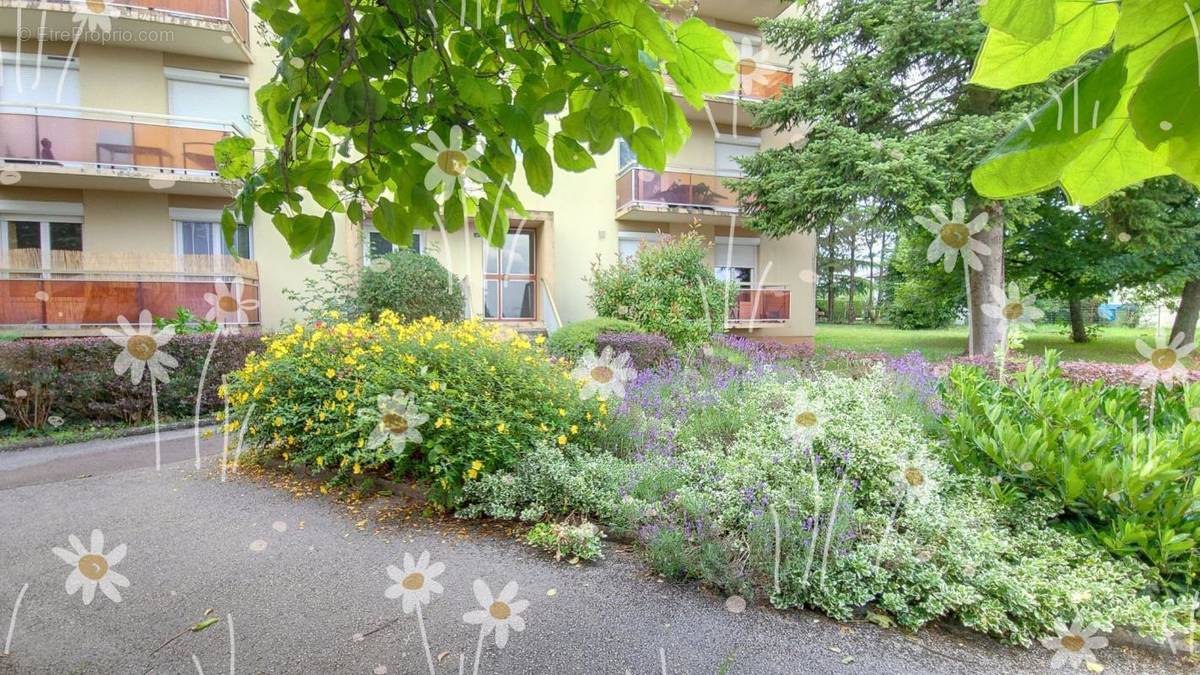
73 379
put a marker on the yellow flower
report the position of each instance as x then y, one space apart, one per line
278 421
357 468
320 460
501 427
330 372
285 457
541 339
574 428
437 424
477 465
362 442
543 427
562 412
341 394
562 439
472 473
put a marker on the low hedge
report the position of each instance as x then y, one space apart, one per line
576 339
73 379
645 349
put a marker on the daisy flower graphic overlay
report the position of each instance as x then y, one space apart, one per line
414 585
399 419
604 376
954 235
499 613
93 568
452 163
141 351
1073 645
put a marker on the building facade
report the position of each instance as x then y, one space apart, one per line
110 204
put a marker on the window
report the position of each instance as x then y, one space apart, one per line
375 244
35 82
727 152
628 243
214 96
625 154
204 237
510 279
736 259
33 243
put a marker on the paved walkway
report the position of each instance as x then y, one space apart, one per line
302 575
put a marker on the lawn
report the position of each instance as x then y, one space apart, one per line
1114 345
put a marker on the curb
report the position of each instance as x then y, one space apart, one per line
105 435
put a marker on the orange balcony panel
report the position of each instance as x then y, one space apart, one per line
100 302
639 187
762 82
761 305
49 140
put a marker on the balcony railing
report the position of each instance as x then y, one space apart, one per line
638 187
90 138
760 305
80 289
234 12
760 80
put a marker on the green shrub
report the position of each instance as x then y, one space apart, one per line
445 403
1089 448
669 288
566 540
73 379
576 339
412 285
332 290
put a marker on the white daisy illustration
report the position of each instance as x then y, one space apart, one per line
399 418
805 419
498 613
1073 645
953 235
93 16
1165 361
141 348
1012 307
93 568
415 582
604 376
912 480
451 162
227 305
54 421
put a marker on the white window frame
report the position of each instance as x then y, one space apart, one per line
42 213
174 74
719 261
367 229
212 216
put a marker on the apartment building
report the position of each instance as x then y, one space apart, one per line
109 201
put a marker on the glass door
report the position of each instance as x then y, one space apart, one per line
510 279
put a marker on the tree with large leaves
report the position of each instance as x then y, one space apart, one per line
381 109
892 124
1129 117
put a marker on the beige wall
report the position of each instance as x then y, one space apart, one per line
127 222
117 78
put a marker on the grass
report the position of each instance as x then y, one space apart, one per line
1114 345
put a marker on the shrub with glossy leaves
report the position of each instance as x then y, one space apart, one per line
668 288
412 285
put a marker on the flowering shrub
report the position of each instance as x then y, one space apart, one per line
669 288
73 379
412 285
645 349
764 350
444 402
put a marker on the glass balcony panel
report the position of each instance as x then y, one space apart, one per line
765 305
687 189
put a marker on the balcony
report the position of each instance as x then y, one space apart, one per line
755 82
81 291
757 305
216 29
674 196
54 146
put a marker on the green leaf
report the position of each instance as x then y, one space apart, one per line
705 64
539 171
1026 20
453 216
570 155
324 196
235 157
648 146
1165 105
228 230
1007 61
205 624
323 241
1035 155
389 219
424 65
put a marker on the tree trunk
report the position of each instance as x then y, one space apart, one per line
1078 329
871 279
986 332
830 291
853 264
1188 313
